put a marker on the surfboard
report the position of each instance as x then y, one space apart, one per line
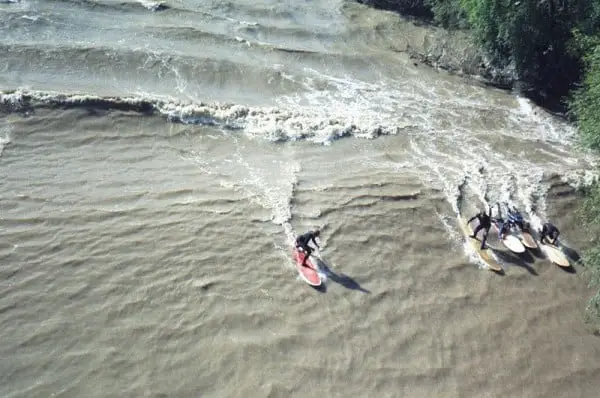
308 273
513 243
476 245
528 240
555 255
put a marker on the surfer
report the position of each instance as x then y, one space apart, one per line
485 222
503 226
549 230
303 240
514 217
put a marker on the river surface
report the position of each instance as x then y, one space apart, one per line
157 160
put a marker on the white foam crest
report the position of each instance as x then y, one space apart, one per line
4 140
273 124
273 192
333 108
545 126
371 108
32 18
5 134
24 97
581 178
152 5
532 193
447 222
422 108
448 178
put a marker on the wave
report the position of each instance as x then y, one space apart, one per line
164 68
121 6
273 124
194 33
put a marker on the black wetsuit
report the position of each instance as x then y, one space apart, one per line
302 243
549 231
515 218
485 222
502 224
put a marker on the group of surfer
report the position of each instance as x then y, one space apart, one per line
514 220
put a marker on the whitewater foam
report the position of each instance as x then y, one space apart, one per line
5 135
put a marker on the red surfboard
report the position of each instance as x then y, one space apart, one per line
308 272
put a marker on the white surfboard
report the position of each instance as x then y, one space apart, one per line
514 244
555 255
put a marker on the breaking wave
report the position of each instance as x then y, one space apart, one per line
273 124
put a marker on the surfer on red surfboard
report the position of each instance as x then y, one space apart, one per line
302 243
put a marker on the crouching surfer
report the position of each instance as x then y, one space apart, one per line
549 230
485 222
302 243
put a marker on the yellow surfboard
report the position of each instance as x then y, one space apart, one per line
555 255
528 240
484 254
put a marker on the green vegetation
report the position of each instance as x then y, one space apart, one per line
533 38
553 47
585 106
585 103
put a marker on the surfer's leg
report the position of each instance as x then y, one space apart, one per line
503 230
477 229
485 234
307 253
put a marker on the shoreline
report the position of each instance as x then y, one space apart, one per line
453 51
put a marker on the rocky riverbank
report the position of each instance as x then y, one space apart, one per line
450 50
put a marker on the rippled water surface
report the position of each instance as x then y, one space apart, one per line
158 158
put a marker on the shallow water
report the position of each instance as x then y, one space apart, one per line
157 164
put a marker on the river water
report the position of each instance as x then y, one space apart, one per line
156 162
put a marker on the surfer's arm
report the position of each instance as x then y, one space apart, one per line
315 242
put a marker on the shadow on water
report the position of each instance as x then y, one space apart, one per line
322 288
571 253
526 256
537 252
522 260
569 270
342 279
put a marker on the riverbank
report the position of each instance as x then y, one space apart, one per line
450 50
543 68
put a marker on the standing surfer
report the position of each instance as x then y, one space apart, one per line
303 240
485 222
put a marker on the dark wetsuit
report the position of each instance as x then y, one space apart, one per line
515 218
302 243
549 231
485 222
503 227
